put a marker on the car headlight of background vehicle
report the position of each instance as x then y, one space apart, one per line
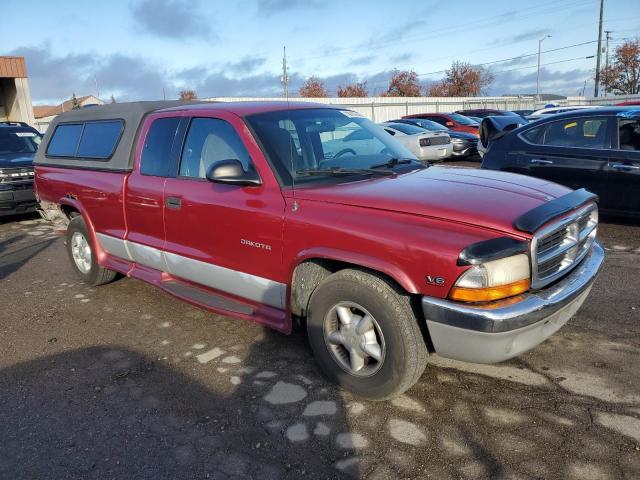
493 280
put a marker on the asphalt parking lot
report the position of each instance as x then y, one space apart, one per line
123 381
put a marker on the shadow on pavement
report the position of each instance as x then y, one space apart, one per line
11 259
113 413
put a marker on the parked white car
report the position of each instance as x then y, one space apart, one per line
543 112
424 144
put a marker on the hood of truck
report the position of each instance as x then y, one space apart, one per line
486 198
16 160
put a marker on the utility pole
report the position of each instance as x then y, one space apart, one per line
285 74
538 73
597 85
606 58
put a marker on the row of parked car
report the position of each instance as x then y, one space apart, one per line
577 146
593 147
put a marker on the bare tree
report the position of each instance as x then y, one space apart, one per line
622 77
313 88
404 83
465 80
75 103
353 90
187 95
437 89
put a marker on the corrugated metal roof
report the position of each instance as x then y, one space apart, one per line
13 67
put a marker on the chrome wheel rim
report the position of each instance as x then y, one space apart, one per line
354 339
81 252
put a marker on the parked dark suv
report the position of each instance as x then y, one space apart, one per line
18 145
597 149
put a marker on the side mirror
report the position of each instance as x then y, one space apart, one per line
493 128
231 172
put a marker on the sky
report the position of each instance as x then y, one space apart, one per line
150 49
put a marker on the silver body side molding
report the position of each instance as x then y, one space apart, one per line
241 284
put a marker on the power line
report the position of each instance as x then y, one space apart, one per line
493 62
553 7
510 69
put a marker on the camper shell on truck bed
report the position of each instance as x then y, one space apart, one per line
128 115
268 210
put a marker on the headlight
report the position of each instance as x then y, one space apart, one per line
493 280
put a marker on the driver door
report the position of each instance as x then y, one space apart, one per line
226 237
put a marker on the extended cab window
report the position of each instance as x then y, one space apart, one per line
210 140
156 153
574 132
93 140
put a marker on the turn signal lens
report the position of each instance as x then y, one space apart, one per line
489 294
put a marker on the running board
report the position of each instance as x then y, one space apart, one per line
207 299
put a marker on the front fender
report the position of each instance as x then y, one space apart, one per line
373 263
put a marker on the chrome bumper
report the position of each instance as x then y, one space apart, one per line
504 329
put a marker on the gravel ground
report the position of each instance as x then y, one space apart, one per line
123 381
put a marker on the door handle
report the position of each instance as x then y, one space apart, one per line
624 166
174 202
541 161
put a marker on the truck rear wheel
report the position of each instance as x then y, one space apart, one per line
365 336
83 256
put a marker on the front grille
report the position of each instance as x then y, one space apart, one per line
557 248
10 175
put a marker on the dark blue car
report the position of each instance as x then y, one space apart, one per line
18 145
597 149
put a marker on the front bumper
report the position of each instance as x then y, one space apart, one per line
504 329
17 198
465 149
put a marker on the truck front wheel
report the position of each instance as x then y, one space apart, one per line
83 256
365 336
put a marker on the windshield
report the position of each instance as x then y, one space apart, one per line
462 120
16 141
324 139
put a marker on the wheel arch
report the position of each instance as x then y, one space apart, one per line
73 208
312 267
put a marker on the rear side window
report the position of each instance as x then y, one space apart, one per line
210 140
97 140
156 153
575 132
64 141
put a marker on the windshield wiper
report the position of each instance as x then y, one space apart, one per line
342 171
393 162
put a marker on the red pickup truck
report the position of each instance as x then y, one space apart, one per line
262 211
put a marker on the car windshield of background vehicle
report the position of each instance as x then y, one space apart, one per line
324 139
462 120
575 132
15 142
431 125
629 134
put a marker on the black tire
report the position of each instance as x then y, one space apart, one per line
96 275
406 353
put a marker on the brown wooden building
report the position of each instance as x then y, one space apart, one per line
15 97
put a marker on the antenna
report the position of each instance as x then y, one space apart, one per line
285 75
285 85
